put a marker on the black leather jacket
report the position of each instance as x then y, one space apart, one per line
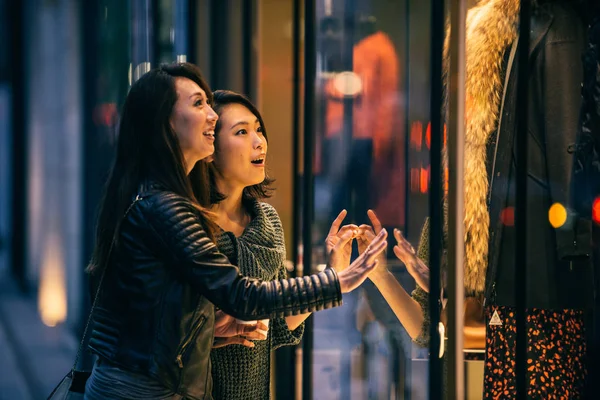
155 314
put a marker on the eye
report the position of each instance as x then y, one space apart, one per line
241 132
259 129
198 102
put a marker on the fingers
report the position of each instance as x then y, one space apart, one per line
402 240
256 335
374 250
245 329
222 342
377 246
350 227
261 326
337 222
335 234
344 238
366 231
398 235
381 236
256 331
375 221
403 254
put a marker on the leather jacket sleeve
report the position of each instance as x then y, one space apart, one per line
177 226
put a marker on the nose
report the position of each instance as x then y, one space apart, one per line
212 115
259 141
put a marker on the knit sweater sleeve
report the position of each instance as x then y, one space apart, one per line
421 296
281 334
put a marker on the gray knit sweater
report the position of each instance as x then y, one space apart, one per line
241 372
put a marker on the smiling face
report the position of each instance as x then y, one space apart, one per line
241 148
193 120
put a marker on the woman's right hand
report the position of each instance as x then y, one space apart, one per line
229 331
366 235
353 276
339 243
414 265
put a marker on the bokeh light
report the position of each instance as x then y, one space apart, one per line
596 210
557 215
507 216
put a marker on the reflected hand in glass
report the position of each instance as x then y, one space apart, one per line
414 265
338 243
229 331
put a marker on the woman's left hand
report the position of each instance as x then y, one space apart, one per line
229 331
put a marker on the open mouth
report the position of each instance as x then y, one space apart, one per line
258 161
209 134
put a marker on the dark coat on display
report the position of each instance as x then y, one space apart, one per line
559 272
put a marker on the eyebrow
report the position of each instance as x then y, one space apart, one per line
243 123
196 94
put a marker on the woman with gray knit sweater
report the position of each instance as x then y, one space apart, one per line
251 236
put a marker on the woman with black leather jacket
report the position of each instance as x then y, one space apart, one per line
160 274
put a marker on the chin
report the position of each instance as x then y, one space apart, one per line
206 155
257 181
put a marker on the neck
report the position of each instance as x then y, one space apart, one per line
230 208
189 164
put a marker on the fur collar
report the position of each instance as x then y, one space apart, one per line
491 28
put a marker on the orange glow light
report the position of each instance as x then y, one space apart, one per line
52 295
557 215
596 210
424 180
428 136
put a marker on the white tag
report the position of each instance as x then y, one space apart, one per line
495 319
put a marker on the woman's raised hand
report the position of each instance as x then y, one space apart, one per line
338 243
366 234
353 276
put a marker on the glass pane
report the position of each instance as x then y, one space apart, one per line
172 29
141 37
371 153
107 75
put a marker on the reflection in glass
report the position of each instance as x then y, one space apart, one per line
141 37
171 19
360 350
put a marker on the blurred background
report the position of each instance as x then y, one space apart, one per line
65 69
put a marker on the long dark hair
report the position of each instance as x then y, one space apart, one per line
147 148
204 171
